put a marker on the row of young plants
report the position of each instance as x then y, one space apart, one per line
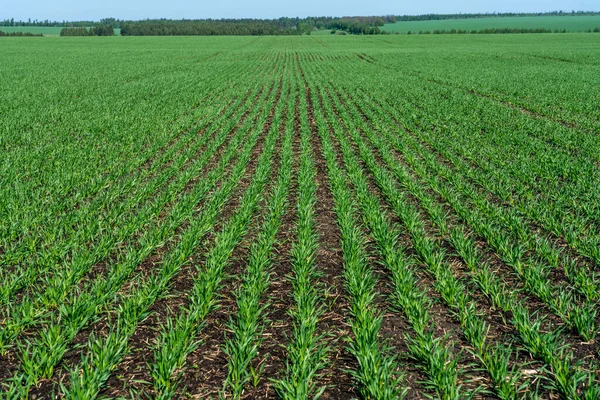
555 193
577 312
97 234
379 378
377 375
562 206
539 337
549 78
563 103
39 229
48 206
512 239
495 358
443 368
546 257
178 337
306 349
535 275
568 130
567 375
56 229
395 149
243 345
581 274
569 155
56 241
83 307
88 378
58 286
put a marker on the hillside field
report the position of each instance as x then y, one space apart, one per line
570 23
372 217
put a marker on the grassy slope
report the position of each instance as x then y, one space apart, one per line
570 23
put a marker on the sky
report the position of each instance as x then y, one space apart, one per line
59 10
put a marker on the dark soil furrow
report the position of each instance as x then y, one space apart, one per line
279 325
394 324
208 363
445 324
329 260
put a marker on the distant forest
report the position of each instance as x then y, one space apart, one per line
438 17
280 26
98 30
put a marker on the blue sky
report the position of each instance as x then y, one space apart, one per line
140 9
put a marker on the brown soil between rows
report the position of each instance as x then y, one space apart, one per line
207 365
278 327
394 324
330 261
498 331
585 351
143 341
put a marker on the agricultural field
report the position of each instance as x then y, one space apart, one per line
579 23
340 217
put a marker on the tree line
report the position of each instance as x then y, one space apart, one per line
438 17
46 23
279 26
204 28
100 30
2 33
250 27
